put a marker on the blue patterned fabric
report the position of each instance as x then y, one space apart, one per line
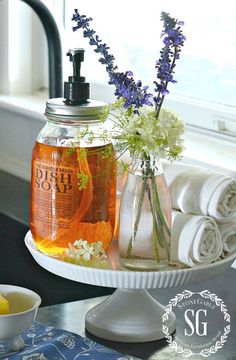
44 342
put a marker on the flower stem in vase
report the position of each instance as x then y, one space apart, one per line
158 206
156 235
139 211
161 221
144 232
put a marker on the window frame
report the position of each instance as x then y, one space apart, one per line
189 110
213 119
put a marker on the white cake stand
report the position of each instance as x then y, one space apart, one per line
130 314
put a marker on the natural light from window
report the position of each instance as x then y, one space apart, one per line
207 68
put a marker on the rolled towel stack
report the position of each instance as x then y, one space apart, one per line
198 191
195 239
227 230
204 228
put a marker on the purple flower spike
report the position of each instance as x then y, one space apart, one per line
134 94
173 40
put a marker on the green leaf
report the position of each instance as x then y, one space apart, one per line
83 180
69 151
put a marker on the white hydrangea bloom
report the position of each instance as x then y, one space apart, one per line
83 253
153 135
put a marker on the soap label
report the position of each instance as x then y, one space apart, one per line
49 178
52 195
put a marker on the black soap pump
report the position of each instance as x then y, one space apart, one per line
76 90
76 103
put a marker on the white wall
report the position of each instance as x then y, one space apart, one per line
18 131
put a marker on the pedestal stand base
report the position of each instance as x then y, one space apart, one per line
128 316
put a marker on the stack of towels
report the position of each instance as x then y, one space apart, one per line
204 214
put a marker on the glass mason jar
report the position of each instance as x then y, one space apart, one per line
145 218
73 181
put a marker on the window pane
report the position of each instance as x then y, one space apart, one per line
207 67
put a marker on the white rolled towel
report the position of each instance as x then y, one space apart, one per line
195 190
195 239
227 229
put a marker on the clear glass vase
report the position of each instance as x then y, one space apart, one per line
145 218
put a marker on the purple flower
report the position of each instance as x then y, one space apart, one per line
173 40
134 94
88 33
82 21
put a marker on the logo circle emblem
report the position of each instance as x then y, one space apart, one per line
196 307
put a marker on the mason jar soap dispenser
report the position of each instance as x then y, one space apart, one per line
73 181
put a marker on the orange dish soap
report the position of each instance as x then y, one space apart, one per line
4 306
73 181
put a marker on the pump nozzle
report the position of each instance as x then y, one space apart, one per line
76 90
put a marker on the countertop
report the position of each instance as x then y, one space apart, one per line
71 316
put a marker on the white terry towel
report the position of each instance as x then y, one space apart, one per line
227 230
195 239
195 190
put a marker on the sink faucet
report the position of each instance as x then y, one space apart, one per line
54 47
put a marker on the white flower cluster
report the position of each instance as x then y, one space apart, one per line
154 135
83 253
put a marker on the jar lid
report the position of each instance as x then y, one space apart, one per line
56 108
